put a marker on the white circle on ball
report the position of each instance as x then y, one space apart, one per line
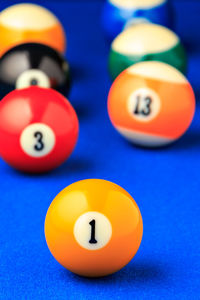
144 104
37 140
93 230
32 77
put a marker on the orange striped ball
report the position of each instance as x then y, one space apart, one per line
27 23
151 104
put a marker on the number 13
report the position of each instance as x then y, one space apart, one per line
143 106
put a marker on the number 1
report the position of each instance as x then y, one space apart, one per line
93 225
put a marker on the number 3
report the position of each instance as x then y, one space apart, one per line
40 145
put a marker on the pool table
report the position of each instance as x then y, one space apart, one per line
164 182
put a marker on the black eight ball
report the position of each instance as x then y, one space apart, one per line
33 64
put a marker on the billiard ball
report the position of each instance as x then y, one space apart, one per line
151 104
29 23
38 129
144 42
93 228
33 64
120 14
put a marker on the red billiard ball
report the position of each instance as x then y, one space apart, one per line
38 129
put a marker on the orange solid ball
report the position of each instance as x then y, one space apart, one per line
93 228
30 23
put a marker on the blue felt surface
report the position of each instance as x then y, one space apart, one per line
165 183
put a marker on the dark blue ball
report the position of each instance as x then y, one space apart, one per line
116 18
